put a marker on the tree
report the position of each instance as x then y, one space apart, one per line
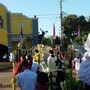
78 40
28 39
24 44
64 43
82 22
46 41
57 40
69 24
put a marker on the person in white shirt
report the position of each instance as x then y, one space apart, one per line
84 71
77 63
51 61
51 64
11 57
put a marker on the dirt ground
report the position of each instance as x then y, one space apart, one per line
6 76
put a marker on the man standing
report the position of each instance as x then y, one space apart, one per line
27 79
84 71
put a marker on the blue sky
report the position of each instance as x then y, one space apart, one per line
48 11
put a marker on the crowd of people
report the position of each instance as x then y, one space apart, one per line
43 75
32 73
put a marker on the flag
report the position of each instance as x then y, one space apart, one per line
53 31
78 32
21 32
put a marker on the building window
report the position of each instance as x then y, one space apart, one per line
1 22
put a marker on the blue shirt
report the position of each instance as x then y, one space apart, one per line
34 67
27 80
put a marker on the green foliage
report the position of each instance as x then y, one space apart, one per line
46 41
28 39
24 44
71 22
57 40
71 82
79 40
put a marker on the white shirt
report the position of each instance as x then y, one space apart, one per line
12 57
51 63
77 63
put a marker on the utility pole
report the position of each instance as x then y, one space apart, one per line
60 23
62 48
61 28
61 18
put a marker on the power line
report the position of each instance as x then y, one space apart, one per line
45 14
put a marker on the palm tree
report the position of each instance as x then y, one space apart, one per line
27 40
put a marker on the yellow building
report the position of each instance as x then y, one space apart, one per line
10 28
